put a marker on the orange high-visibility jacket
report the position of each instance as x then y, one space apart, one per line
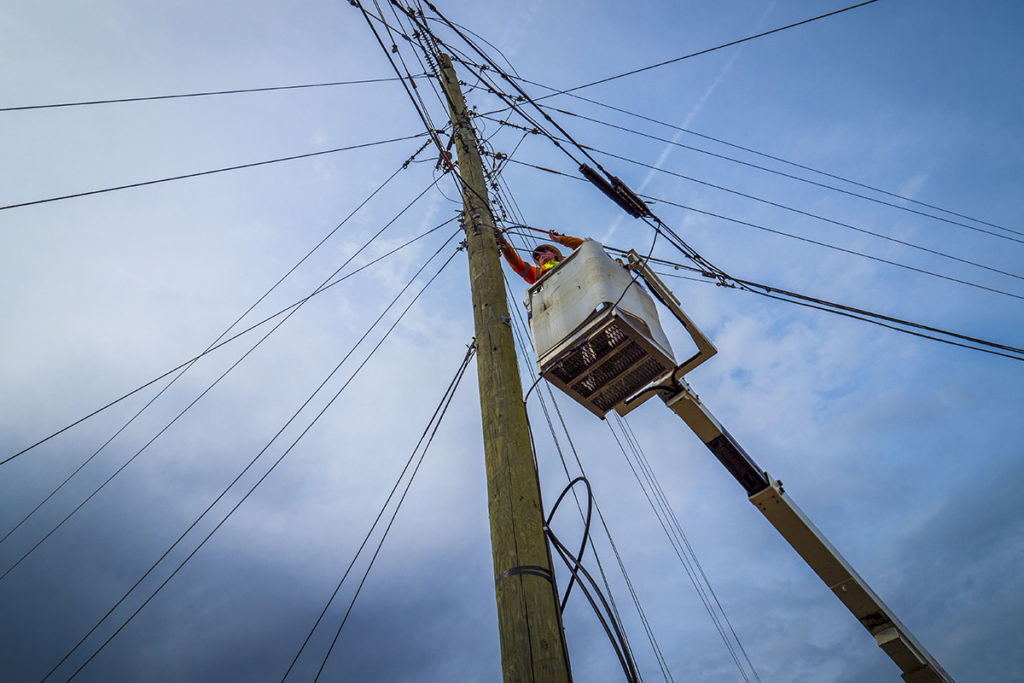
533 273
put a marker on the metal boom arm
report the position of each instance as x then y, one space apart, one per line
768 496
917 665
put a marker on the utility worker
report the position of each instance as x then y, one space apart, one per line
546 256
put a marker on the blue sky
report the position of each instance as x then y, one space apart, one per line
905 452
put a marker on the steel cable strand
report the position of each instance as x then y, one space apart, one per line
813 215
263 477
394 515
628 433
212 344
226 341
783 173
801 166
210 172
691 574
441 404
202 94
785 207
210 387
242 473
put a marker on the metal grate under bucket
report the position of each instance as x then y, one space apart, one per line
606 362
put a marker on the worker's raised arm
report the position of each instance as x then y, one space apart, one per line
518 265
565 240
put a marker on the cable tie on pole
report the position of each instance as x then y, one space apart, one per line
525 570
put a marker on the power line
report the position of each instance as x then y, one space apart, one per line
439 414
442 406
675 528
223 343
717 47
802 212
897 324
213 343
210 172
852 252
555 91
200 396
788 162
801 179
207 93
819 217
782 233
265 474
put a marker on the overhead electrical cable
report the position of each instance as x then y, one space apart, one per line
435 421
713 49
782 233
205 392
852 252
675 528
816 216
897 324
210 172
801 212
421 112
262 478
214 343
398 506
226 341
697 586
794 164
202 94
508 101
570 93
801 179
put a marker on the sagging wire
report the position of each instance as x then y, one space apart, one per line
233 337
575 566
808 214
783 174
262 478
432 426
197 174
662 516
674 523
210 347
210 387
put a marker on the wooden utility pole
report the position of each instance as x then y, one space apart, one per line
532 642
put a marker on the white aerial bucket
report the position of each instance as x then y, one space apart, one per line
596 330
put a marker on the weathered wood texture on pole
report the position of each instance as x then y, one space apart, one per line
532 644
